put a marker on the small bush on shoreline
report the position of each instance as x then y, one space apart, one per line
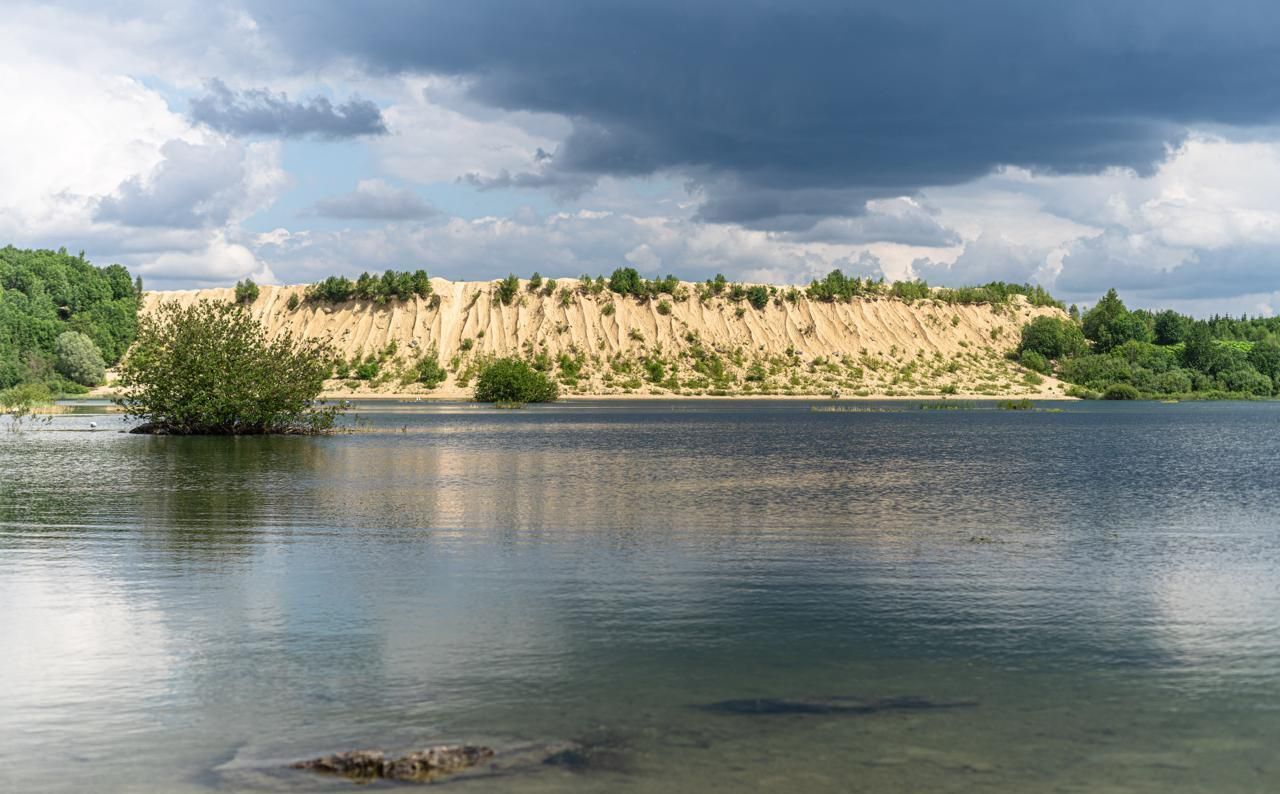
513 380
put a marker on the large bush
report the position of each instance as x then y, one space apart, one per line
1246 380
1095 371
626 281
1110 324
1121 391
209 369
79 359
1052 337
513 380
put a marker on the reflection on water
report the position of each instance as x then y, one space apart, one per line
188 614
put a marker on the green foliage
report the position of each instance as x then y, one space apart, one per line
655 370
210 369
18 402
1170 328
996 293
758 296
535 282
293 303
1109 324
246 291
506 289
513 380
44 294
910 290
608 309
1163 353
838 287
1246 380
1034 361
391 285
79 359
1052 338
626 281
1121 391
664 307
428 371
1095 371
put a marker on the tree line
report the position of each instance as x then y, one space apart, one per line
1113 351
62 319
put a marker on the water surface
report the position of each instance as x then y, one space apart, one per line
190 614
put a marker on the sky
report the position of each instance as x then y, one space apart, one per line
1079 145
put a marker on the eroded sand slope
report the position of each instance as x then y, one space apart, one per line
869 347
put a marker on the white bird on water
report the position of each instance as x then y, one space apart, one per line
93 424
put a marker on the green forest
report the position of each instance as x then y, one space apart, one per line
62 320
1113 352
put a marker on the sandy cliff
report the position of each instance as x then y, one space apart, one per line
869 347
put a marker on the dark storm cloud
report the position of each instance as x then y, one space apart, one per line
841 101
260 112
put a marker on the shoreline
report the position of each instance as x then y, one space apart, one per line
417 397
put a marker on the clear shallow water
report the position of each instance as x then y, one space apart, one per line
189 614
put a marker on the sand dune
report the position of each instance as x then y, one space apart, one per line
868 347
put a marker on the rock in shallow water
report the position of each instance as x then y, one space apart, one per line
416 767
435 761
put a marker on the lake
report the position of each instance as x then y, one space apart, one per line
1095 591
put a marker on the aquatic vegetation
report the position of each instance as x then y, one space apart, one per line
209 369
1015 405
948 405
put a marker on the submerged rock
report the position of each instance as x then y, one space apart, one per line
416 767
360 765
829 705
435 762
604 753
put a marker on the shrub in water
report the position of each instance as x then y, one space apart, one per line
513 380
209 369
